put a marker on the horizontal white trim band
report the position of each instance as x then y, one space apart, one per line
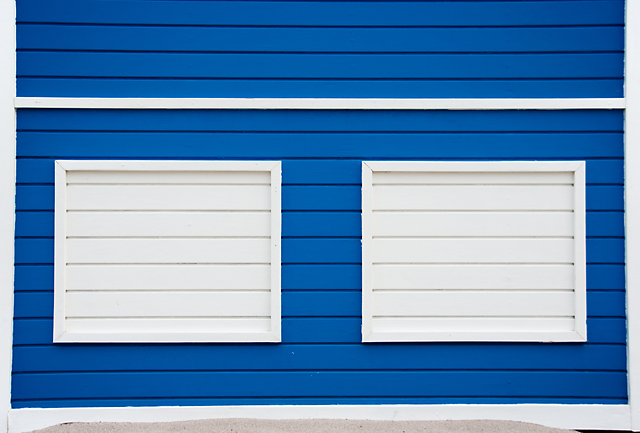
592 417
322 104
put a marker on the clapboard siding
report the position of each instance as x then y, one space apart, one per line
67 403
321 49
605 357
346 251
319 277
325 330
319 303
284 13
306 66
321 157
314 39
316 384
407 146
323 198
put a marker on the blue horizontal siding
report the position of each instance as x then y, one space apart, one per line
326 39
320 277
294 277
336 66
317 384
316 224
329 330
325 172
298 88
347 251
325 13
318 198
139 402
321 274
323 120
326 145
605 357
318 303
321 49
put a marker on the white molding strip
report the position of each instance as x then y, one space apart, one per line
322 104
7 192
632 205
592 417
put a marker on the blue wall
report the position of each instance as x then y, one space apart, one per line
323 49
320 359
320 48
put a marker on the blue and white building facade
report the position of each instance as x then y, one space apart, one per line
317 209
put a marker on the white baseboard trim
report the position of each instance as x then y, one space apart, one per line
324 103
592 417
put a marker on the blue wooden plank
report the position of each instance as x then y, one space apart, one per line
320 357
237 88
322 277
323 120
320 330
322 171
40 251
603 277
145 402
314 145
33 305
605 224
319 304
378 66
605 171
325 13
40 224
39 277
321 224
327 39
318 198
606 304
318 384
294 277
34 224
34 251
605 251
605 198
321 198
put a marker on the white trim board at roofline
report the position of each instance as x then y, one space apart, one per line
323 103
606 417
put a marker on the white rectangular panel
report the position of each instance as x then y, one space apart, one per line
473 251
167 251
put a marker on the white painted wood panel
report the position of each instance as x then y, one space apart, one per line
169 325
169 177
164 277
471 178
168 197
459 224
474 324
489 250
167 251
473 197
473 251
168 304
473 277
170 251
443 303
168 224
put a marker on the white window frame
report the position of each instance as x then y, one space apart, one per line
580 324
62 167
